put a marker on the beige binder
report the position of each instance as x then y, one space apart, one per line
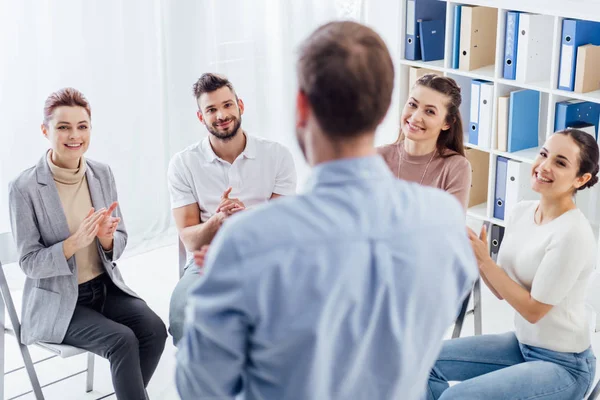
480 161
502 120
415 73
478 27
587 69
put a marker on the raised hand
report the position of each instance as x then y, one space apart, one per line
88 229
230 206
108 225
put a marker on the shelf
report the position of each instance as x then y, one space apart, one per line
486 73
543 87
478 212
498 222
475 147
434 65
590 96
528 155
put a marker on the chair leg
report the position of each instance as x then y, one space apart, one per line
89 380
35 383
461 317
477 307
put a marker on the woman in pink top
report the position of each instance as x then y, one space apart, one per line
429 149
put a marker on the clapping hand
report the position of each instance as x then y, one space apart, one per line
108 224
230 206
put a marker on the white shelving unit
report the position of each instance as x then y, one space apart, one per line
550 95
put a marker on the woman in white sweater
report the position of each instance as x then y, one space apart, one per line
544 265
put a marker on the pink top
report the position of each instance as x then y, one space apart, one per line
452 174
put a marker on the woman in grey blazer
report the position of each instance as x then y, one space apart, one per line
69 231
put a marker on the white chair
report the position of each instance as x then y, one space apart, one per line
182 257
8 254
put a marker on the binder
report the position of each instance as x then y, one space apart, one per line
480 162
511 40
523 120
502 120
432 35
518 185
587 73
456 37
575 33
576 112
414 73
587 128
500 187
477 37
496 236
474 112
486 101
420 10
534 49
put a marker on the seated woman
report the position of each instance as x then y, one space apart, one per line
429 149
62 220
544 265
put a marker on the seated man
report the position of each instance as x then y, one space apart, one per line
344 292
221 175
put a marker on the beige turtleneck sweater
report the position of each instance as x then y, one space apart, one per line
75 197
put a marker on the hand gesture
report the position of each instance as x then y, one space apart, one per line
88 229
230 206
200 256
479 245
109 224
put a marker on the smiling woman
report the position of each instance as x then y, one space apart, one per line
69 232
429 149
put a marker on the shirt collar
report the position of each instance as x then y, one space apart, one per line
349 169
249 150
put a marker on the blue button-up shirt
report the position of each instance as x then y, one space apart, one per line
344 292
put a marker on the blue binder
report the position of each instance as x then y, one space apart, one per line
523 120
456 37
420 10
474 112
432 34
500 190
511 44
572 113
575 33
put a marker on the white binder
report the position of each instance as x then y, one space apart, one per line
534 49
518 185
486 103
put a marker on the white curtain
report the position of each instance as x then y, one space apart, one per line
136 61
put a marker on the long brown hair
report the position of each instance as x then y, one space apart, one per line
451 138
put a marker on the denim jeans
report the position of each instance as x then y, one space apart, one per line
499 367
179 298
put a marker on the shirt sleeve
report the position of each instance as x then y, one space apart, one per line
459 181
285 180
565 258
180 189
213 348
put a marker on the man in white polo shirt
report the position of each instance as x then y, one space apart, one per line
221 175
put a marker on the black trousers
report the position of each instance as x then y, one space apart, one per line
122 329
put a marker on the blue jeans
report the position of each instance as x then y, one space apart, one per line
498 367
179 299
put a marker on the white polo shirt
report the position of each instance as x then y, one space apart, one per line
197 175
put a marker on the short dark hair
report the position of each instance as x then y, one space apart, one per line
210 82
69 97
588 154
347 74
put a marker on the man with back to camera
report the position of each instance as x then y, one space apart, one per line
224 173
346 291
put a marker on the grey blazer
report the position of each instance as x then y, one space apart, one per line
39 227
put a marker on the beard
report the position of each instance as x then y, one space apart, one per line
228 134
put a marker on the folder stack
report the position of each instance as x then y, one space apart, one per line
513 184
577 114
480 125
425 30
575 33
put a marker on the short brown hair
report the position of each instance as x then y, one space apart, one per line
347 74
69 97
210 82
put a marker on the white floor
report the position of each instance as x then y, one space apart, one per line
153 275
